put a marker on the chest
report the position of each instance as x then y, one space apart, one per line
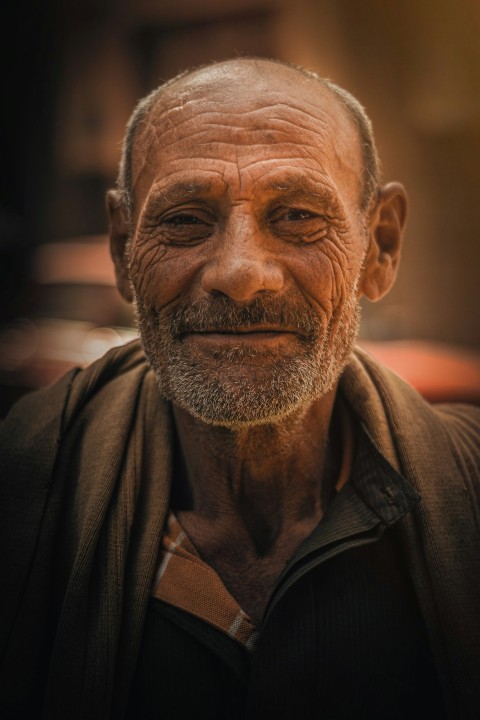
346 639
250 577
250 581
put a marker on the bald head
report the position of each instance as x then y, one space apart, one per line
244 81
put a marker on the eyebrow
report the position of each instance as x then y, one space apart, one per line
298 187
181 190
287 187
301 185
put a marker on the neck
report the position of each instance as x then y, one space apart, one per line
267 481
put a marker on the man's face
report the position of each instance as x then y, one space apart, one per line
248 243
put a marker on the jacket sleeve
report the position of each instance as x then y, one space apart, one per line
463 423
30 506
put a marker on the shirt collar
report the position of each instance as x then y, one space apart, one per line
387 493
375 498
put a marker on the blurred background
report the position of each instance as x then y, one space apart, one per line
73 71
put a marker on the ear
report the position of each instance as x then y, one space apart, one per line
387 223
119 229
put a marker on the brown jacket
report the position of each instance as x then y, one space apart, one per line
86 468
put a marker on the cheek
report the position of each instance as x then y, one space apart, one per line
159 273
325 274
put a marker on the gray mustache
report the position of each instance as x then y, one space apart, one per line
221 313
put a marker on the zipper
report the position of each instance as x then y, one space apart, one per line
305 564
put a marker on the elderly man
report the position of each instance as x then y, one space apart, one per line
243 517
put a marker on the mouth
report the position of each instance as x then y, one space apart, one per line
242 330
251 335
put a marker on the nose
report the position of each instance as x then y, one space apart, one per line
242 265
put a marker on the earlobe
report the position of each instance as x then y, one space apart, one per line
387 223
119 230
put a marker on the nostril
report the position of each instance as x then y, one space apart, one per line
242 279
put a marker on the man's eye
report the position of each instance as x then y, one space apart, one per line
294 215
182 219
298 225
185 227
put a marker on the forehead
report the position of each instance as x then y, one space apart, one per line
242 122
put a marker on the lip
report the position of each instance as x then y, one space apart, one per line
241 336
242 330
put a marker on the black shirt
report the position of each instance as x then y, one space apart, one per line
342 637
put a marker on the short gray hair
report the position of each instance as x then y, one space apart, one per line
356 111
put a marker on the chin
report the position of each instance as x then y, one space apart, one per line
238 386
258 391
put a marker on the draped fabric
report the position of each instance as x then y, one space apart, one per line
86 472
437 449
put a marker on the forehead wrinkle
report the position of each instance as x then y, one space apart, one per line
272 152
289 107
153 130
275 115
260 137
208 151
323 126
141 158
150 133
275 112
289 179
301 93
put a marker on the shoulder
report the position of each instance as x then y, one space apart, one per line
77 386
369 375
462 421
33 429
394 412
34 435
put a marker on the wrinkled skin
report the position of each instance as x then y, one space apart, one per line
247 185
255 167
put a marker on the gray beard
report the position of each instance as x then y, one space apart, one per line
237 386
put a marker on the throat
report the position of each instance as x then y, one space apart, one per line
249 561
277 512
263 527
263 535
247 500
262 485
